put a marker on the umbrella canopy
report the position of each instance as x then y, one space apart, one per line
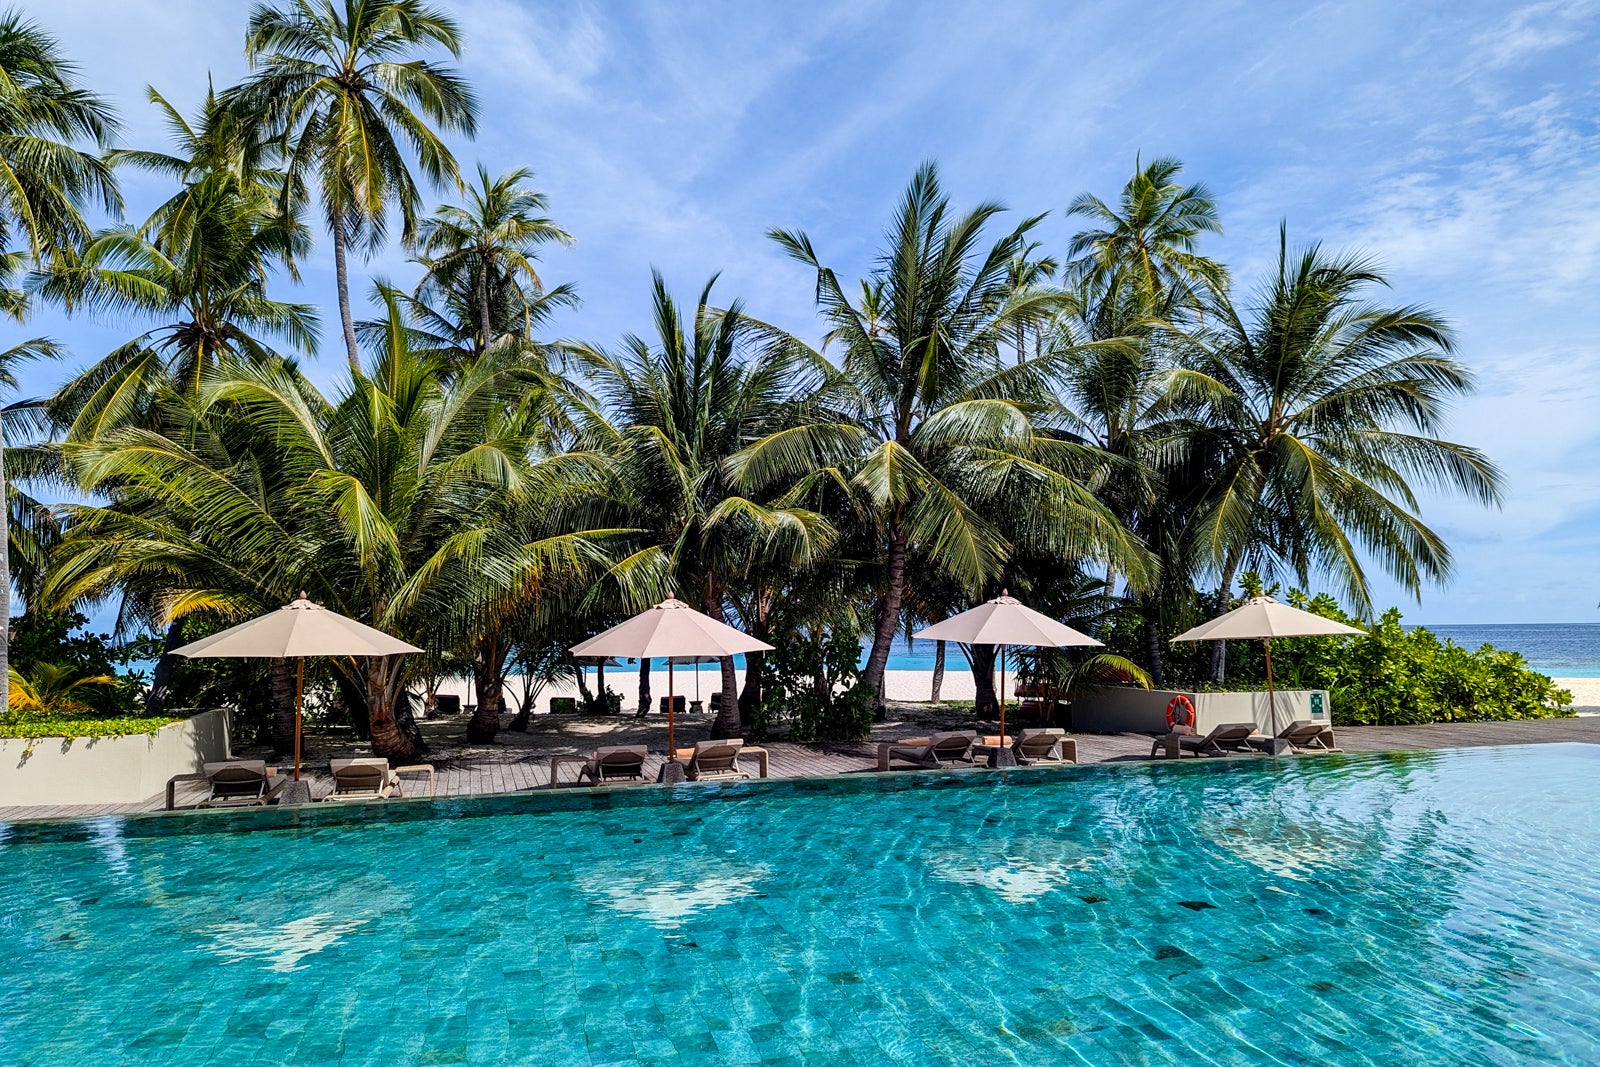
298 629
1005 620
670 629
1262 617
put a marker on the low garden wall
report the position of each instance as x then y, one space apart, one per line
1116 710
49 771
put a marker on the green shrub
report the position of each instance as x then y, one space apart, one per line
1394 676
810 686
35 726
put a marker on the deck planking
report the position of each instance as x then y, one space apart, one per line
524 762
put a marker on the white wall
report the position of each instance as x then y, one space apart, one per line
1138 711
108 770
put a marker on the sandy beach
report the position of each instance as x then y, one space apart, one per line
911 686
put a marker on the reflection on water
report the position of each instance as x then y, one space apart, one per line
1033 868
669 904
284 945
1290 850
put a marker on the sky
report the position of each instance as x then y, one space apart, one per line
1454 141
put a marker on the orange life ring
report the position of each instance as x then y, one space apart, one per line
1187 706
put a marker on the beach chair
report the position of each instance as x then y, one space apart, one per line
930 752
240 783
1229 737
363 778
1050 745
715 759
1308 735
610 763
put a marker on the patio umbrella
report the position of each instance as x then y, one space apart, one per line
1003 621
696 662
671 629
1262 618
296 631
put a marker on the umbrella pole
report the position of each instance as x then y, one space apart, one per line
671 770
672 752
1002 756
299 697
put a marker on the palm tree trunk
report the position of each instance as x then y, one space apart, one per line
750 696
728 720
280 684
986 703
155 703
644 686
1152 650
488 680
5 567
888 622
391 737
483 307
938 669
341 272
1219 649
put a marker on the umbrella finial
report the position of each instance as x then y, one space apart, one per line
303 595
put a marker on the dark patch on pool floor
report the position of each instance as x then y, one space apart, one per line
1196 905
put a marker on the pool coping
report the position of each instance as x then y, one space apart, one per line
299 818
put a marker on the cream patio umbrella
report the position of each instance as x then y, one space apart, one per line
296 631
1003 621
673 630
1262 618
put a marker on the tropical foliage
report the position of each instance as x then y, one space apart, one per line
1101 421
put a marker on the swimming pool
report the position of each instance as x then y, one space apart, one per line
1429 908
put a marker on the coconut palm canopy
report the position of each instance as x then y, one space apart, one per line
1087 408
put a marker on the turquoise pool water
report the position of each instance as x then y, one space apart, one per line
1425 909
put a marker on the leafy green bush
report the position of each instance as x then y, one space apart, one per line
1394 676
59 642
36 725
810 684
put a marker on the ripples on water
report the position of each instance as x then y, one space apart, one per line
1434 908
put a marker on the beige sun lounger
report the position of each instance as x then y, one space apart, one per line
1035 745
711 760
363 778
605 764
1229 737
1308 735
931 752
238 783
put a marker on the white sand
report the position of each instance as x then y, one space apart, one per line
902 685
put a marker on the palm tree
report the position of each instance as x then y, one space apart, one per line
1151 233
479 257
340 84
675 413
1323 409
46 181
392 504
199 266
1028 271
935 435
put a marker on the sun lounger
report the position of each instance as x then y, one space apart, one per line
363 778
931 752
1229 737
1033 745
710 760
609 763
1308 735
240 783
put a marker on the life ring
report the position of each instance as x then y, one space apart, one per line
1186 706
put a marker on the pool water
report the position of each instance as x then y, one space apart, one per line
1431 908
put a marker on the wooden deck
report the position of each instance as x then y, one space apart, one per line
523 761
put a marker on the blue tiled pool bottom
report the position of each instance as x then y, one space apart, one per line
1435 908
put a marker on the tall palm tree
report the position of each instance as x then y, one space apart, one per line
389 503
1028 270
1323 408
1151 233
482 254
676 410
340 82
934 435
48 176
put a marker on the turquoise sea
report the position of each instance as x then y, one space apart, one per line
1432 908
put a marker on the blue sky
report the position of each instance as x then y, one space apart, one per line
1456 141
